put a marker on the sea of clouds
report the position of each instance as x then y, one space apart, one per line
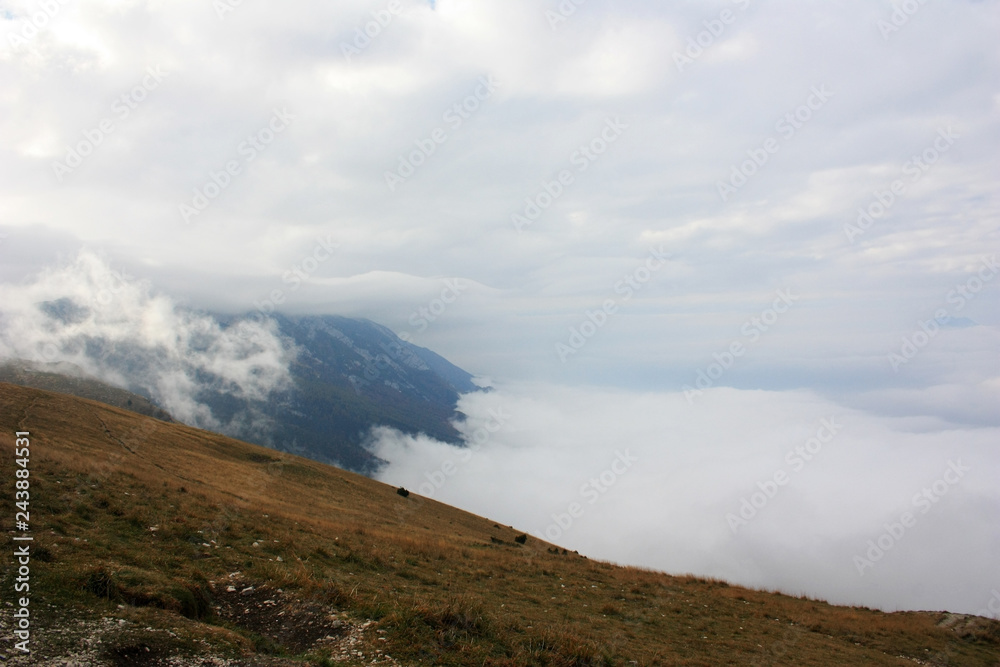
782 490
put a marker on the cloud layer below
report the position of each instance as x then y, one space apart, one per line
778 490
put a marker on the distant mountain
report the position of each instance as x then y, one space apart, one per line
339 377
350 375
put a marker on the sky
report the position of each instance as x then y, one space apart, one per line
693 229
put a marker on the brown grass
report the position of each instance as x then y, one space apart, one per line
444 586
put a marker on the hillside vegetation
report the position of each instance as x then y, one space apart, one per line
156 544
66 378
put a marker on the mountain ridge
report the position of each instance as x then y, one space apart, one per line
315 385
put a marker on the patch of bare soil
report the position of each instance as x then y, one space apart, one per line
295 626
292 625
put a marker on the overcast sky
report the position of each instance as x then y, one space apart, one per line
641 199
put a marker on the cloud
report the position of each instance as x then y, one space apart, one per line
863 298
656 482
118 329
325 174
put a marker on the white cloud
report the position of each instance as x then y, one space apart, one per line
116 328
693 467
657 184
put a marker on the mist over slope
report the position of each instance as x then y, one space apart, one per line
67 378
314 385
121 331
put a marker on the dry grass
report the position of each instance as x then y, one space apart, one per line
444 586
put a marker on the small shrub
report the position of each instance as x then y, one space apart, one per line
610 610
455 620
194 601
42 554
101 582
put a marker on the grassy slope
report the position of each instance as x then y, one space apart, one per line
52 377
440 586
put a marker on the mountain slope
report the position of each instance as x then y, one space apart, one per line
156 543
68 378
312 385
347 376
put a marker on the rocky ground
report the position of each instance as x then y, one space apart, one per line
284 625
